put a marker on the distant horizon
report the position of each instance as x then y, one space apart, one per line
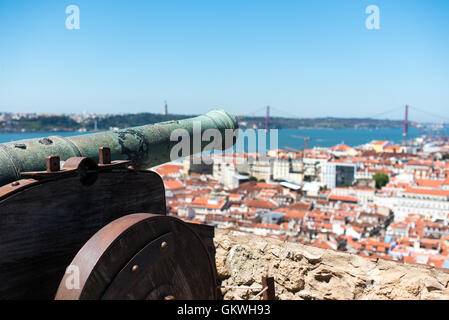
238 116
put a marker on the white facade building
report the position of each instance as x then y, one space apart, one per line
402 204
288 169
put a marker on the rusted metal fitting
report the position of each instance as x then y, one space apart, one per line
86 168
53 164
105 155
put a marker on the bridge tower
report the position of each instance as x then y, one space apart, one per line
406 122
267 119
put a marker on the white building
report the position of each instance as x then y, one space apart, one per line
433 204
288 169
261 167
363 195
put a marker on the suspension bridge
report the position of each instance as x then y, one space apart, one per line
407 123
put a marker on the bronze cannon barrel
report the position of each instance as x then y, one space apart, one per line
146 146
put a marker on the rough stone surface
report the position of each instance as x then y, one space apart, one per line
304 272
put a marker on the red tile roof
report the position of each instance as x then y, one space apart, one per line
293 214
205 202
173 185
430 192
263 204
334 197
341 147
399 225
168 169
428 183
267 226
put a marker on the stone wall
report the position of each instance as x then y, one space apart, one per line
305 272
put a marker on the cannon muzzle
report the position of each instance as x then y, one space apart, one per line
145 146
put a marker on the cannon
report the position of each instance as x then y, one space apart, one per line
84 218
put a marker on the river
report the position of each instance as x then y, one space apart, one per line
318 137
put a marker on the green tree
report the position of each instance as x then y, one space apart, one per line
381 180
252 178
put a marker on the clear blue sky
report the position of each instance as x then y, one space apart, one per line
310 58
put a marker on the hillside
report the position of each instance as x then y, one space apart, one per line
33 122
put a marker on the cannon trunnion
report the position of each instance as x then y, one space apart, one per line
99 231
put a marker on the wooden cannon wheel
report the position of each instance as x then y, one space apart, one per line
141 256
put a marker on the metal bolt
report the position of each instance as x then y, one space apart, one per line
164 245
135 269
15 183
169 298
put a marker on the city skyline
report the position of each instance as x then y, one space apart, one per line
311 59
